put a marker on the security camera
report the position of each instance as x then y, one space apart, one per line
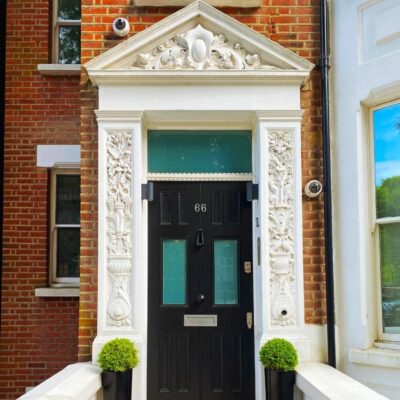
121 26
313 188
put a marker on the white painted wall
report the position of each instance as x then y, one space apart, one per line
365 72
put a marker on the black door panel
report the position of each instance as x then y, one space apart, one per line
199 239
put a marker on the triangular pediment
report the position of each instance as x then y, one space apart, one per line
197 42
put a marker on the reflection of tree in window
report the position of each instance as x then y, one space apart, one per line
387 175
69 31
69 45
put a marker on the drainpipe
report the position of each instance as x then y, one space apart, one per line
330 293
3 10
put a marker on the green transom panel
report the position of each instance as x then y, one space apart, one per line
205 151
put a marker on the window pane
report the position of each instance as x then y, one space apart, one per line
199 151
67 253
69 9
387 160
67 199
174 272
390 276
225 272
69 45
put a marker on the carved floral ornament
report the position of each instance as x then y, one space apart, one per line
119 217
199 49
281 228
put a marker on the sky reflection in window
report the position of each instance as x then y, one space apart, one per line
387 142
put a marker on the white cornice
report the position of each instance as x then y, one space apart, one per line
279 115
174 77
120 116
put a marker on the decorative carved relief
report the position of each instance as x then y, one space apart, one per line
281 218
199 49
119 175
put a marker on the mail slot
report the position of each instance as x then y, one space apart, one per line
200 320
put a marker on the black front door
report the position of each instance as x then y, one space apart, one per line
200 333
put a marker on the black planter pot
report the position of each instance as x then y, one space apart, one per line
117 385
279 385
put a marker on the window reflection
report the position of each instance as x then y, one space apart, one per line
386 124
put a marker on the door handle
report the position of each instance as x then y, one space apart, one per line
201 298
200 238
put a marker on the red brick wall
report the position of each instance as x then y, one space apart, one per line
38 335
292 23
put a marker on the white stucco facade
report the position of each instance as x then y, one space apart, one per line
365 73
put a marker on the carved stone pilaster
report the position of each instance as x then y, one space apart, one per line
119 218
281 228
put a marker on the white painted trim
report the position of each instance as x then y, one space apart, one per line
322 382
51 155
383 94
57 292
59 69
199 177
387 220
76 381
380 357
211 77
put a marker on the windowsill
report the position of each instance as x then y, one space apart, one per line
378 356
59 69
57 292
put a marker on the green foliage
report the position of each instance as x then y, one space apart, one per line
278 354
118 355
388 205
388 198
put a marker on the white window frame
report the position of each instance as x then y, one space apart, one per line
54 281
376 223
57 23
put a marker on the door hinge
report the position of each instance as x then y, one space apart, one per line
249 320
148 191
251 191
247 267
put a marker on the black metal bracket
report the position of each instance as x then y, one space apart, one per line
251 191
148 191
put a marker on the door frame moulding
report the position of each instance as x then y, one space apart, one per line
266 127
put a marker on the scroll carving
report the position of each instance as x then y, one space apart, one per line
199 49
119 176
281 228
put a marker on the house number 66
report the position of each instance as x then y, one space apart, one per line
200 207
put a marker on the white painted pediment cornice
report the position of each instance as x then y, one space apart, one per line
198 44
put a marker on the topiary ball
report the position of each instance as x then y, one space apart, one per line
279 354
118 355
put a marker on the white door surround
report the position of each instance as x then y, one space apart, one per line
189 72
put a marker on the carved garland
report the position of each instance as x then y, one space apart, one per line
281 230
119 175
199 49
